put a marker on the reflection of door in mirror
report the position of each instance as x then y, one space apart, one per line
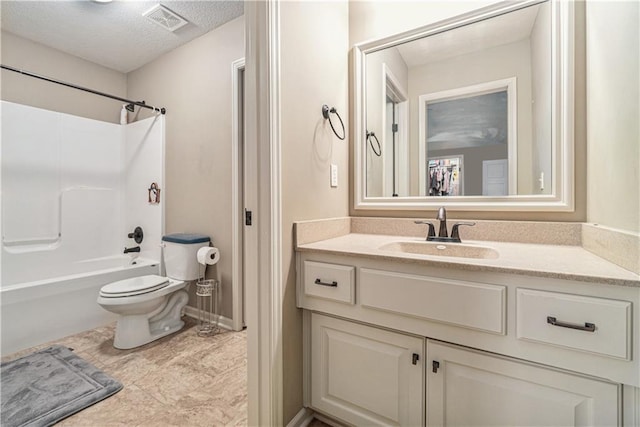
495 178
388 174
396 182
390 146
476 121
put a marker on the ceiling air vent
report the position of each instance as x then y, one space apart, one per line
164 17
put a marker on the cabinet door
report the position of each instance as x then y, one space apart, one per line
364 375
472 388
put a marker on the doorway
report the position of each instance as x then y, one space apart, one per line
395 136
238 194
495 177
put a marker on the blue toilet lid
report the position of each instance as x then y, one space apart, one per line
134 286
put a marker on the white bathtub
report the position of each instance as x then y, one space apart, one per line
36 312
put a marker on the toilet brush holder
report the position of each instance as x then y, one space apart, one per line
207 299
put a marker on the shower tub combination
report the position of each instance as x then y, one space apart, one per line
40 311
72 190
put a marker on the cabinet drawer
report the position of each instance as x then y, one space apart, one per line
329 281
595 325
468 304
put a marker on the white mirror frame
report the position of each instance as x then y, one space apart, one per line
562 136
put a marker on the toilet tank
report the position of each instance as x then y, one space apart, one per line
180 251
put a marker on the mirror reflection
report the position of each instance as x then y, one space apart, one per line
465 112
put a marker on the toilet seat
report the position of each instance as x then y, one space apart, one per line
134 286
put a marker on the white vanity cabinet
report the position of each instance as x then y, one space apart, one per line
365 375
508 349
467 387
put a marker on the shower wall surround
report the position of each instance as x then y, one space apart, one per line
72 188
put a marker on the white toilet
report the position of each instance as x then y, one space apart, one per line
150 306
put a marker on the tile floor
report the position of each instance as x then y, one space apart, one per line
179 380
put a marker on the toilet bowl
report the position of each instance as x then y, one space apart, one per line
150 307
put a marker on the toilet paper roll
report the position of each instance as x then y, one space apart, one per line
208 255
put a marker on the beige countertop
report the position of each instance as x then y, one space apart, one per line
541 260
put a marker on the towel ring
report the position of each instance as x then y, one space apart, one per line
371 135
325 113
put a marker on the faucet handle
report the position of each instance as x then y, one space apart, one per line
455 234
137 235
432 228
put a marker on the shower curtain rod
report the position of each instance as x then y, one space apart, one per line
95 92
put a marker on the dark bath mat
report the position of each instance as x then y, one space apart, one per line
46 386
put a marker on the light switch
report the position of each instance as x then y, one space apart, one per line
334 175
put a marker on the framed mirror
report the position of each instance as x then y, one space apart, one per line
475 112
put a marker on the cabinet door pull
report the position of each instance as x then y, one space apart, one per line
589 327
434 366
320 282
415 358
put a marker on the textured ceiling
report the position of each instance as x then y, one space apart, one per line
114 35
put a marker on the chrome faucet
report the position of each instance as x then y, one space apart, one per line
442 217
443 235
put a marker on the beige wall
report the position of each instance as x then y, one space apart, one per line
370 20
193 83
24 54
613 96
314 71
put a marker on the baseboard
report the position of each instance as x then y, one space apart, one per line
302 419
223 322
329 421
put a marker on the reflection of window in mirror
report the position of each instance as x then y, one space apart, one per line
477 122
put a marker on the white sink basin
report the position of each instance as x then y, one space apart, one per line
458 250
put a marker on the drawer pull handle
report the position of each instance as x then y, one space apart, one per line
332 284
589 327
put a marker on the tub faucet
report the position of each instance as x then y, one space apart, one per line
134 249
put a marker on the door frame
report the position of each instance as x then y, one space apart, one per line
263 240
237 196
392 88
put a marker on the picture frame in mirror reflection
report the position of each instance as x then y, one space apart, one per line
478 85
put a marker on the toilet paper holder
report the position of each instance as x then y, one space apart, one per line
207 304
208 255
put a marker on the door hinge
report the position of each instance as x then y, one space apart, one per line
247 217
434 366
415 358
394 127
